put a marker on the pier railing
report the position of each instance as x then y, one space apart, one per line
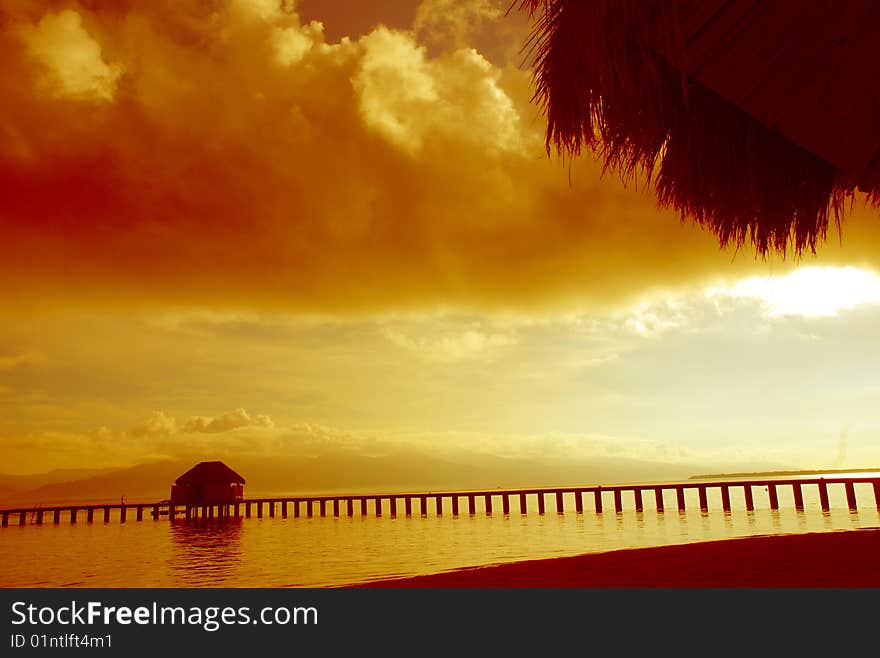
666 496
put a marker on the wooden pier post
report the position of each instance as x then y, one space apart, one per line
579 502
392 504
704 500
637 494
247 510
505 504
824 503
39 517
798 496
541 502
363 506
155 512
679 495
472 505
877 493
187 512
378 506
488 498
56 516
350 507
423 505
210 511
618 501
5 521
454 505
523 505
260 510
438 503
658 499
407 505
122 512
774 496
851 496
750 499
22 518
284 508
271 509
336 508
597 499
725 498
560 503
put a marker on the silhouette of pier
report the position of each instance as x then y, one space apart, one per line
666 497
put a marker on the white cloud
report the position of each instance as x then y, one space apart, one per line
158 426
653 318
229 420
407 97
451 22
808 291
452 346
72 57
13 361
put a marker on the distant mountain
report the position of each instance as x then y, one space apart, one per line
10 483
145 482
813 471
345 472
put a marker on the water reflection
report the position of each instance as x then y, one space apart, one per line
205 552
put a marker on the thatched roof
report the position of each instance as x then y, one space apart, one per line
758 120
209 473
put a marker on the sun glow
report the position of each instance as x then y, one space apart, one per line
810 291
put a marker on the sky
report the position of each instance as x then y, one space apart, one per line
260 227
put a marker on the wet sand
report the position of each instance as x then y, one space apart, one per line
848 558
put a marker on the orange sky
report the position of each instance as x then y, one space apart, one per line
273 206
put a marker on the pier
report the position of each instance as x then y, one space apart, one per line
665 497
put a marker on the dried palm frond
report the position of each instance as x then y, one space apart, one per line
604 77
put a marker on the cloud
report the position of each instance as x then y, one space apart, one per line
13 361
158 426
229 156
651 318
453 22
72 58
162 426
452 346
229 420
808 291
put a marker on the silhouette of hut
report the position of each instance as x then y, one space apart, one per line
207 483
758 120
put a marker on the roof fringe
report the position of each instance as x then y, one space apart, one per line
602 77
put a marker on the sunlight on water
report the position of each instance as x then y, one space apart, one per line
276 552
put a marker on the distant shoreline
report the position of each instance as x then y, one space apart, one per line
818 471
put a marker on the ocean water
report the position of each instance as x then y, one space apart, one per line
310 552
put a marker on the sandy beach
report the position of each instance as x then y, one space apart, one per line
848 558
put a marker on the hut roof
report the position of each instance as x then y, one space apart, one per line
758 120
209 473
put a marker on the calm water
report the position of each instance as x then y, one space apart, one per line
276 552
